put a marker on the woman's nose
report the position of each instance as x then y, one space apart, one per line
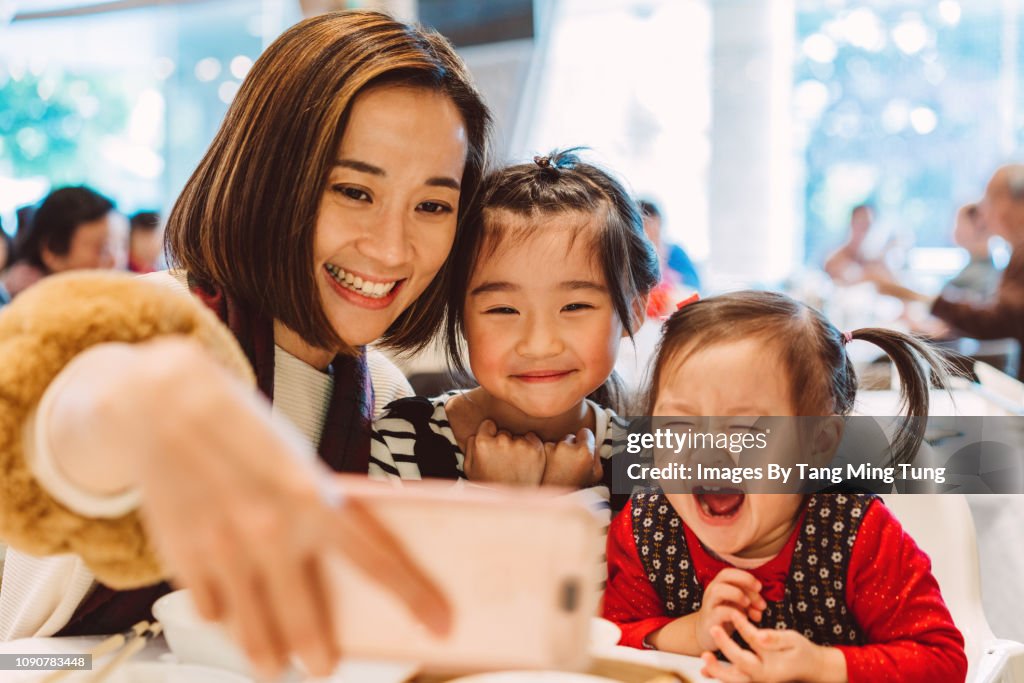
385 241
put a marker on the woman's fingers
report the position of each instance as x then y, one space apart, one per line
296 595
249 621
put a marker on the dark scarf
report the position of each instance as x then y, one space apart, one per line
344 447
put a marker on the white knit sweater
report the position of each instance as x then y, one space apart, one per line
38 596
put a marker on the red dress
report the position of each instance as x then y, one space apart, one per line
890 592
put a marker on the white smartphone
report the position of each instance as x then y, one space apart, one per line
521 569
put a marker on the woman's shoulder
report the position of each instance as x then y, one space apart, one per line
389 383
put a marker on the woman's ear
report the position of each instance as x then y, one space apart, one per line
639 316
828 433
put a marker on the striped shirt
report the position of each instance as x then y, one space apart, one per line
413 439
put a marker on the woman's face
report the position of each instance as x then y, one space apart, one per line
387 217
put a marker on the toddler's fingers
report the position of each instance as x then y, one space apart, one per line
487 428
721 670
534 440
745 660
760 640
727 593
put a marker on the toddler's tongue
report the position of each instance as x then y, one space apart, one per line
723 503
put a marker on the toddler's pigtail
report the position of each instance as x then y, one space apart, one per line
919 366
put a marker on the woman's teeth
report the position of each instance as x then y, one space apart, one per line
373 290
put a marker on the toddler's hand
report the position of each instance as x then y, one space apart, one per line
776 656
733 593
572 461
499 457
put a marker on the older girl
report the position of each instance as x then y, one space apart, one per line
560 274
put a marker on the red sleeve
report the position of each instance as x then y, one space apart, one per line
630 601
896 602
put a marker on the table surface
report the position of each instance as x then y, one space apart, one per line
347 672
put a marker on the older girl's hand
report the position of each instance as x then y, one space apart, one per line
235 504
501 458
572 462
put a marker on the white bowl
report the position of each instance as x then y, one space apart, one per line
192 639
603 634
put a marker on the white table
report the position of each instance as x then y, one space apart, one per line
348 672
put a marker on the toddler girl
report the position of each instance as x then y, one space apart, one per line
558 274
820 587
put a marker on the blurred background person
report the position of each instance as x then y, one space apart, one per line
70 230
675 264
980 276
852 263
679 276
1000 315
145 242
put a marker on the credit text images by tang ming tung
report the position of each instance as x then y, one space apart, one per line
820 454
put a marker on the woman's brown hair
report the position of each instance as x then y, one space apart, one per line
822 380
246 219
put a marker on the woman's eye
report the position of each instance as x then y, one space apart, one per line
501 310
576 307
434 207
352 193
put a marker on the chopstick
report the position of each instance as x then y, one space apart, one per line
104 648
123 655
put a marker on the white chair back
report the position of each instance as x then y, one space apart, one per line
942 527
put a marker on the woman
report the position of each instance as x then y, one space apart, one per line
320 220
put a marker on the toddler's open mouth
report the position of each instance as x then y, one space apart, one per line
719 502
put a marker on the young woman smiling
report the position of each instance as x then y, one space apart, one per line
320 220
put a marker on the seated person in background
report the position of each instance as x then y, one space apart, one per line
980 276
145 242
1001 315
850 264
70 230
820 587
678 274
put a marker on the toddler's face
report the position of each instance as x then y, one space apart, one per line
733 379
540 327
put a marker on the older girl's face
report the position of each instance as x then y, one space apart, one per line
388 213
541 328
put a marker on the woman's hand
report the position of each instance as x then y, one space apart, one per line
774 657
572 461
235 504
501 458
